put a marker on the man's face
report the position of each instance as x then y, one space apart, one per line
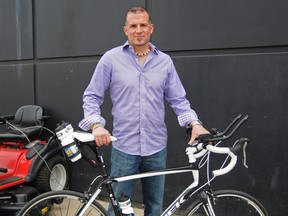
138 29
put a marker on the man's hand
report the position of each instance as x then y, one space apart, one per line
196 131
101 136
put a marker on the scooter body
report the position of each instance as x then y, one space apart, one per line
28 165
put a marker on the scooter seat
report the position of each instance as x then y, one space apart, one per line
26 133
26 124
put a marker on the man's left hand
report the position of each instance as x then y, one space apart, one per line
197 130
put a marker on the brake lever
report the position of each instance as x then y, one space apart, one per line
240 146
244 159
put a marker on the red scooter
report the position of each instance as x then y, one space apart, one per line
30 161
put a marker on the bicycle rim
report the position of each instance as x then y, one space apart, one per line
56 203
229 202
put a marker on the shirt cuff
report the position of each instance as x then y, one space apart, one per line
186 118
86 123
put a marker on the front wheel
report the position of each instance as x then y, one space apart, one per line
58 203
228 202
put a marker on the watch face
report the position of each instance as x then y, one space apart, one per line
197 123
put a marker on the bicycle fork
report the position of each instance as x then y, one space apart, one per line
206 196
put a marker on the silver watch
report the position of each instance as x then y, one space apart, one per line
197 122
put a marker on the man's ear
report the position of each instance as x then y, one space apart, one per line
125 30
152 28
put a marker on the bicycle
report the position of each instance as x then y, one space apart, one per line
210 203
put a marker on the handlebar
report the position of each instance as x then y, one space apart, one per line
88 137
3 170
232 152
206 143
218 136
203 144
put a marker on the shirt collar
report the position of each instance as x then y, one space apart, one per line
126 45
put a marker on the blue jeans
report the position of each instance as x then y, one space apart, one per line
152 187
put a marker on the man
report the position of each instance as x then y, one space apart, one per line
140 77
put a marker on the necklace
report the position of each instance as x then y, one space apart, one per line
143 54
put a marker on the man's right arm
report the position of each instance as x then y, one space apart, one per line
93 97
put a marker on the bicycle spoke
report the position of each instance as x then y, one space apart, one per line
229 203
65 203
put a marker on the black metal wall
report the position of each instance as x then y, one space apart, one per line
232 57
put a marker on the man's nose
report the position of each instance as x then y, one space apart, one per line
138 29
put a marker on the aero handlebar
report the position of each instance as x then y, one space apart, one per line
205 143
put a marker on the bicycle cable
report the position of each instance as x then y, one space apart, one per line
207 161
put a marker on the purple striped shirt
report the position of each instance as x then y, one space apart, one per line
137 94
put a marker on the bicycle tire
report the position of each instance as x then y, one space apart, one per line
229 202
60 203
